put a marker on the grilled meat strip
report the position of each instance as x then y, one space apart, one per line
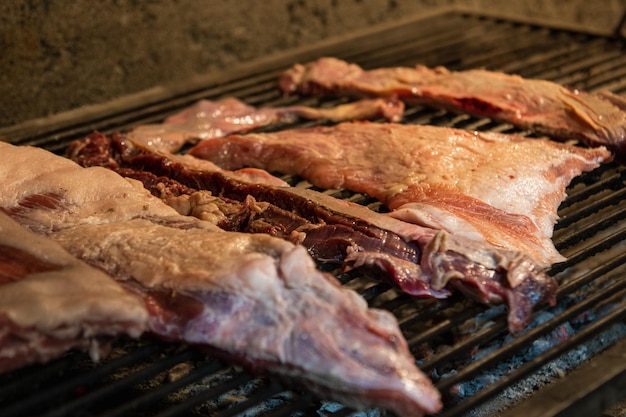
422 261
208 119
501 189
540 106
251 297
50 302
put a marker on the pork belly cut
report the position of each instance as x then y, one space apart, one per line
208 119
422 261
253 298
50 302
541 106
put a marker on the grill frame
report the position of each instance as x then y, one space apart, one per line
592 207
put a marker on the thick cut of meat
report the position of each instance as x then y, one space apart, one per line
208 119
253 298
502 189
541 106
50 302
422 261
261 301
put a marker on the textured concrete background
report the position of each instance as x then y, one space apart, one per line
58 55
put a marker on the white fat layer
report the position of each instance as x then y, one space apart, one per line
63 300
22 176
188 259
436 218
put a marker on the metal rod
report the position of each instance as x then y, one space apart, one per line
594 387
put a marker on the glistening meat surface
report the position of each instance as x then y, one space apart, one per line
501 189
50 302
253 298
541 106
209 119
422 261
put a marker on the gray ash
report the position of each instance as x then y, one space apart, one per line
554 370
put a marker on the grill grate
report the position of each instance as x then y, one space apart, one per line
458 342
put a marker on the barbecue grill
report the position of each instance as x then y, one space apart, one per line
572 359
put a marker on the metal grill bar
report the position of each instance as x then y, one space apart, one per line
52 393
186 407
535 364
154 396
613 292
607 372
111 390
608 219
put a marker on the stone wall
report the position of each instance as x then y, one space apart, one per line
60 55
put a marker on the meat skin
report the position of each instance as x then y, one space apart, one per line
541 106
250 296
50 302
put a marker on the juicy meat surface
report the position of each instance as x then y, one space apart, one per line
501 189
422 261
250 297
541 106
208 119
50 302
